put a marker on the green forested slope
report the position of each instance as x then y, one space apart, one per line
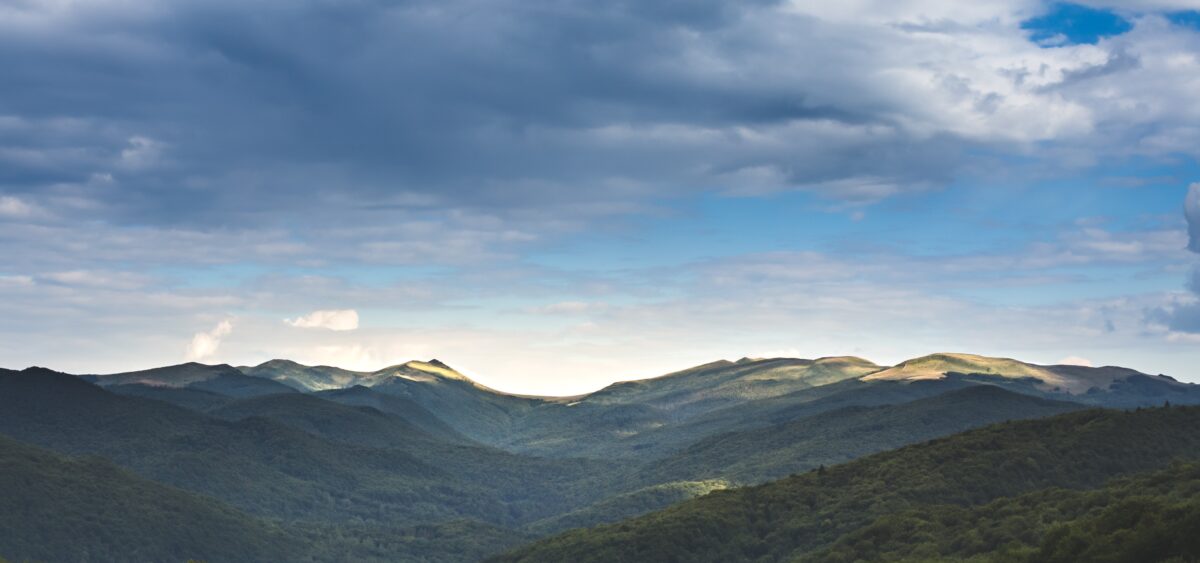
1150 517
665 440
651 417
59 509
402 407
829 438
804 513
269 468
340 423
194 399
54 508
625 505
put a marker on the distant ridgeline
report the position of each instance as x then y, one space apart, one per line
949 456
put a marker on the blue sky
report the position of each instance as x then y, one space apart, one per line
555 195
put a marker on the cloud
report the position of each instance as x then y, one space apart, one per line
205 344
1181 316
568 308
17 280
1191 210
333 319
1075 361
888 99
142 152
433 148
11 206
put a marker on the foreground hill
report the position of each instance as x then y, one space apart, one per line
54 508
805 513
836 435
1149 517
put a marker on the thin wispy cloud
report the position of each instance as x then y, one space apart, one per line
331 319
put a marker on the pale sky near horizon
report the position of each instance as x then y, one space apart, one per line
552 195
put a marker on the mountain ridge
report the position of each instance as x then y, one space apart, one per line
1071 379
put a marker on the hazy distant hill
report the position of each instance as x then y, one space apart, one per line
798 515
302 377
221 379
607 423
712 386
651 417
1067 380
459 403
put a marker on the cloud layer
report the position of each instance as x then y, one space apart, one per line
1191 210
553 192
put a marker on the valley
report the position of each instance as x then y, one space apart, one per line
419 462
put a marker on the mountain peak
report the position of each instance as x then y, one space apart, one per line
936 366
1069 379
417 370
179 375
850 360
280 363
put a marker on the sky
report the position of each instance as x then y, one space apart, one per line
552 195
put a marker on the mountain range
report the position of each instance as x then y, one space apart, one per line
417 461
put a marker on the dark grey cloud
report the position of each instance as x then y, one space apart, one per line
1183 318
257 109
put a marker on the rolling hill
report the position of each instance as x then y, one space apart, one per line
470 409
800 515
652 417
416 461
837 436
271 468
1064 379
54 508
1146 517
221 379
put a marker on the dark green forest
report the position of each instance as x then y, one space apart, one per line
806 513
755 460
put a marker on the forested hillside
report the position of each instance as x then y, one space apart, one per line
54 508
417 462
799 515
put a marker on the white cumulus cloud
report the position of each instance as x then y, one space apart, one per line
332 319
1075 361
205 344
